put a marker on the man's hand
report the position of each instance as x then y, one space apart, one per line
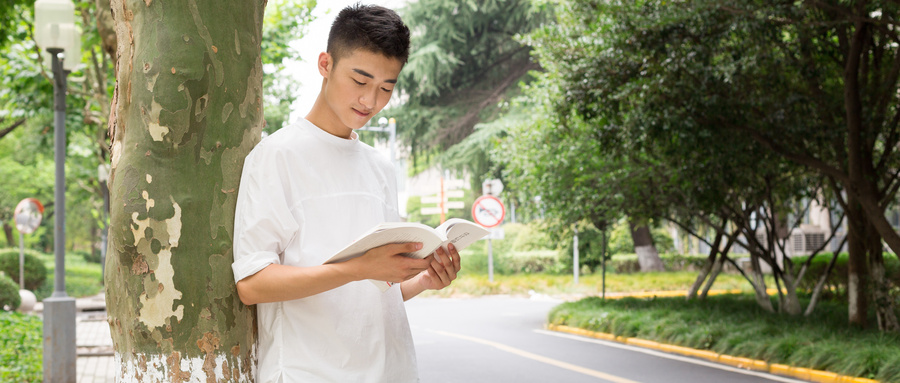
443 270
386 263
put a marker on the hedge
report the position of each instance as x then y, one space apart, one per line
9 294
35 271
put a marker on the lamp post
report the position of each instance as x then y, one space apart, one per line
103 177
389 126
55 32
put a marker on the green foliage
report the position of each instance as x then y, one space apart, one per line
21 348
736 325
472 283
35 272
285 21
620 241
628 263
464 63
83 278
590 248
836 283
9 293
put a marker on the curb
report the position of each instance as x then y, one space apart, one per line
734 361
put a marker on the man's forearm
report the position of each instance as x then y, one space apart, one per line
277 283
411 288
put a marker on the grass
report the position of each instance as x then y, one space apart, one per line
735 325
474 284
83 278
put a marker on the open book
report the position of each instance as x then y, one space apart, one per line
461 233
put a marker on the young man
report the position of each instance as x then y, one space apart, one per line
310 189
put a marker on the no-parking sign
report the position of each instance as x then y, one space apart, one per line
488 211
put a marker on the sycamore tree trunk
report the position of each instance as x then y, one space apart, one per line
648 256
186 111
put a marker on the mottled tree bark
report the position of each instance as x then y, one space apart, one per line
186 111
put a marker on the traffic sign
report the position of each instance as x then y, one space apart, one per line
488 211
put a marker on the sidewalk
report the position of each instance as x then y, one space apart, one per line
95 362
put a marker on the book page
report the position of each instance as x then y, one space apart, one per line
461 233
393 234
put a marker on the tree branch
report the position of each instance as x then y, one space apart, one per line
9 129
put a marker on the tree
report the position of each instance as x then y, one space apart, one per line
464 61
186 111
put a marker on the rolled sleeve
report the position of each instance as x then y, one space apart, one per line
252 264
263 224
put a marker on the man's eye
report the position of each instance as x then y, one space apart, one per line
387 90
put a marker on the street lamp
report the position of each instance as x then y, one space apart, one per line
55 32
103 176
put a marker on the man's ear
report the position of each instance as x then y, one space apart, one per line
325 63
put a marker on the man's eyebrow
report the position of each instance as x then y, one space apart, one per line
369 75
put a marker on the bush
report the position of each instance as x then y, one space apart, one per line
92 256
837 281
628 263
9 294
35 271
21 353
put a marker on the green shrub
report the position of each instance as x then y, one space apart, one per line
35 271
21 354
92 256
9 294
536 261
628 263
837 280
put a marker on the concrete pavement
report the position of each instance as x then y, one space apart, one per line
95 362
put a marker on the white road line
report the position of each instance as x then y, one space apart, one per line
672 356
539 358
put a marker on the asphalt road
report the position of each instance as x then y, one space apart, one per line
501 339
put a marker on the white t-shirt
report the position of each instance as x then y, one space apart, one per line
304 195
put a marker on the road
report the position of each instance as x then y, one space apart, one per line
501 339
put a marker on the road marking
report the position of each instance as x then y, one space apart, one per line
542 359
671 356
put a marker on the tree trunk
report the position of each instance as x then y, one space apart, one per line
648 257
857 270
8 231
885 315
106 28
707 267
186 111
759 282
717 269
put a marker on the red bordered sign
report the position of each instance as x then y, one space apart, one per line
488 211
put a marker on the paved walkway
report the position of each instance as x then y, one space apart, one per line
95 362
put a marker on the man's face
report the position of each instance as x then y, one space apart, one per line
359 85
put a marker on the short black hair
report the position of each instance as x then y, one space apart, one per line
370 27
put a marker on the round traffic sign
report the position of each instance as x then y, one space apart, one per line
28 215
488 211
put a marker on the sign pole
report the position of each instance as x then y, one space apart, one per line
21 260
577 268
490 261
489 212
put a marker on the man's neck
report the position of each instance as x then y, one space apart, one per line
324 118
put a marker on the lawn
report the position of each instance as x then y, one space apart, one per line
735 325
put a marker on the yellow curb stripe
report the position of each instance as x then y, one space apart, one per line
740 362
539 358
